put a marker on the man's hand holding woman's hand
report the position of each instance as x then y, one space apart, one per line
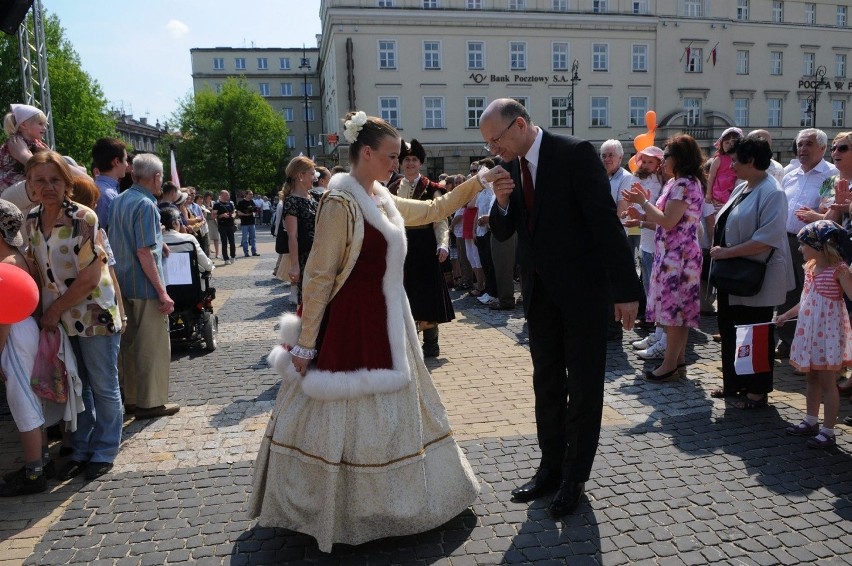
502 184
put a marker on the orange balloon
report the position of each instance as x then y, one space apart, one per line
651 120
19 294
645 140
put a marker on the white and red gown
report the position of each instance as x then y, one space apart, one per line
351 470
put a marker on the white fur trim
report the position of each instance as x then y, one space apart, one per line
331 386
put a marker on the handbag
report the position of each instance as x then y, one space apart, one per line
49 379
739 276
282 241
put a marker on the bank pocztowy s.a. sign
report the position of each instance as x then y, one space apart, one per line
810 84
483 78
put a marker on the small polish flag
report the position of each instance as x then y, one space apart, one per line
752 354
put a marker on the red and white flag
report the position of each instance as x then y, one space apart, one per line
174 172
752 349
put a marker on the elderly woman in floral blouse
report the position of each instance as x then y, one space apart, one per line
77 292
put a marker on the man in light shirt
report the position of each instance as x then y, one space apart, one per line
802 187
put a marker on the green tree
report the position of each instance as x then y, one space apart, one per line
80 113
232 139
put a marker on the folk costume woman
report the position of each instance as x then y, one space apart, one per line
359 447
428 247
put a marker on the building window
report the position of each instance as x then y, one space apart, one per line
841 16
776 63
310 140
742 62
240 63
640 6
523 101
517 4
262 63
742 9
385 3
600 57
288 114
741 112
286 89
840 65
308 114
638 107
475 107
474 4
692 109
291 142
430 4
307 89
560 5
600 6
810 13
475 55
777 11
805 114
431 55
560 114
218 64
692 8
640 58
389 110
218 88
808 64
264 89
560 57
600 112
284 63
773 118
517 55
695 60
387 54
433 112
838 113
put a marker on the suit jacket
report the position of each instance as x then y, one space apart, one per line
577 246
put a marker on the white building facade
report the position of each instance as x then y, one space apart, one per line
431 66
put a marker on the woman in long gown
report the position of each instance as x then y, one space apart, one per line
359 446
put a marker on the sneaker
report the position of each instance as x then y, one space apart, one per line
21 484
645 342
230 261
656 352
49 472
782 351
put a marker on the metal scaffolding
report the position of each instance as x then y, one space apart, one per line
34 79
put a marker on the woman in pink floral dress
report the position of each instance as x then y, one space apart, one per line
673 296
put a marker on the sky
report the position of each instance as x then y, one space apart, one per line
138 50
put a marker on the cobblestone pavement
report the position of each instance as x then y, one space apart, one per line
680 478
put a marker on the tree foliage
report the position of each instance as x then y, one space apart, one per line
80 113
232 139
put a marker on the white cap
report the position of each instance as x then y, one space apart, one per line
24 112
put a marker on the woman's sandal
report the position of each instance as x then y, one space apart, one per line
720 393
748 403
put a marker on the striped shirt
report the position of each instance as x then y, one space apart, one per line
134 223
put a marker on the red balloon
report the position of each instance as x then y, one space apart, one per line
18 294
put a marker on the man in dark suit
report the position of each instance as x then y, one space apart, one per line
575 264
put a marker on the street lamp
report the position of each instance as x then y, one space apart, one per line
574 80
819 83
305 65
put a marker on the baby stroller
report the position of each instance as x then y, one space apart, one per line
192 321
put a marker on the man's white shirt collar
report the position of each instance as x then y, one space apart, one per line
535 148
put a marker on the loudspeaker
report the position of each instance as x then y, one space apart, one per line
12 13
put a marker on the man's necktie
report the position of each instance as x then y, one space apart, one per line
529 191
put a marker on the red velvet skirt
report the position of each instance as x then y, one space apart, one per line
354 332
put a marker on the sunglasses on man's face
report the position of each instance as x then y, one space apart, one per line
840 148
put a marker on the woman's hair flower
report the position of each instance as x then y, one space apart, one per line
353 126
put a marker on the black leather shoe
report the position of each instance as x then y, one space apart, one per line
543 482
71 469
96 469
566 499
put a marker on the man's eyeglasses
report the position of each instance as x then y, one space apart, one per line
840 148
493 143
